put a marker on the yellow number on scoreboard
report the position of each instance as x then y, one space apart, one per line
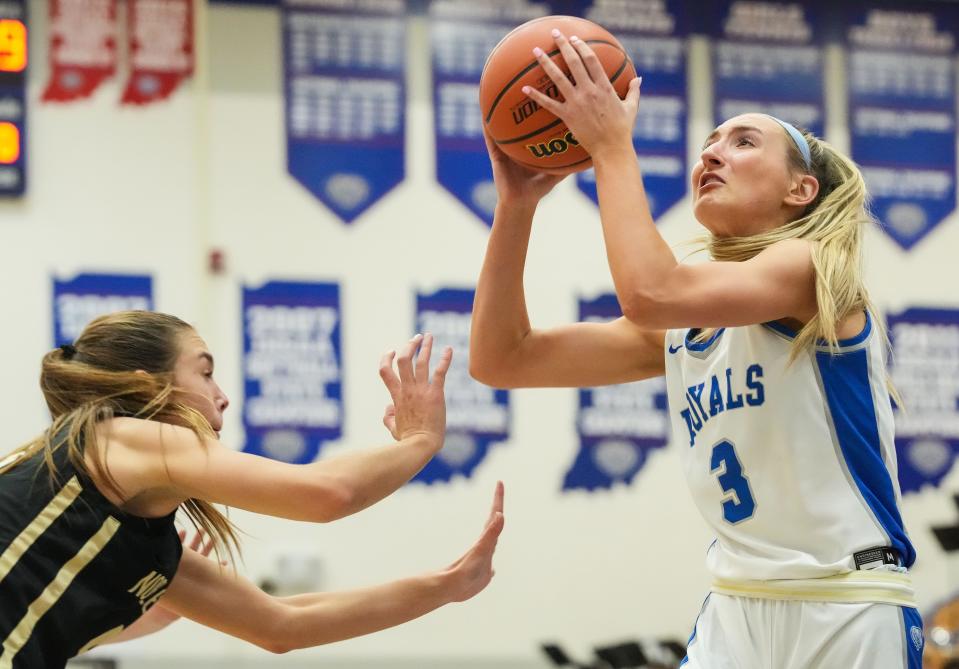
9 143
13 45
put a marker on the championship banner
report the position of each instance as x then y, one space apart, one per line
292 369
476 415
925 371
13 97
344 71
462 35
768 57
78 301
654 33
618 426
83 47
902 113
160 34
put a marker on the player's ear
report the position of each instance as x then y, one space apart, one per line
803 191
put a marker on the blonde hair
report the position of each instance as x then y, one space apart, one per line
104 378
834 222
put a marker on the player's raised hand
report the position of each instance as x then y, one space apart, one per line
473 572
418 402
516 184
591 108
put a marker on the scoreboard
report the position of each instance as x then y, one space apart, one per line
13 99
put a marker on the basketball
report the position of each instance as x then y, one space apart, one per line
527 133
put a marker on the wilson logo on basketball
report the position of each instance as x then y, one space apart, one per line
529 107
553 146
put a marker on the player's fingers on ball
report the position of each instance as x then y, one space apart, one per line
553 71
631 101
632 95
543 100
572 58
590 61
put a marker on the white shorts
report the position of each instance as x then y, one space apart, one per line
747 633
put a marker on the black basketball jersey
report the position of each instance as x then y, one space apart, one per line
74 569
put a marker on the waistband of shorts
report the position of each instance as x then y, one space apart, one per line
866 586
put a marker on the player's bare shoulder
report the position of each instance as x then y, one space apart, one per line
793 254
788 264
144 436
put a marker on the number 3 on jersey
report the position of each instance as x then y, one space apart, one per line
724 460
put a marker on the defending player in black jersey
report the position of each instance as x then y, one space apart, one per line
87 540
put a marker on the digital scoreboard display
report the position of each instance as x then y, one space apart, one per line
13 99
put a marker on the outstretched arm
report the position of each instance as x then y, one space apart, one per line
227 602
172 461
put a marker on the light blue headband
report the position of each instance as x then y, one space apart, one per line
798 139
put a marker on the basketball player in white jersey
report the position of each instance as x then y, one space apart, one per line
774 360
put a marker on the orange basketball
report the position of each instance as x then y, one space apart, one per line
527 133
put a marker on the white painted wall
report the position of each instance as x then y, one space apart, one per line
150 190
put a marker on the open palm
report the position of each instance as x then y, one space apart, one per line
474 570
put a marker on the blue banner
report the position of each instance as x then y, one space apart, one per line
902 113
618 426
476 415
292 369
345 94
768 58
462 35
925 371
654 35
78 301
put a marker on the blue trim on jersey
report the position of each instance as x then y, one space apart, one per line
701 345
692 637
845 380
912 620
851 341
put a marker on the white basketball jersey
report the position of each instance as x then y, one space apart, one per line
793 466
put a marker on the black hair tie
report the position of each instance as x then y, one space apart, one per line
69 350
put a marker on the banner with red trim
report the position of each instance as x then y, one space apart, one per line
83 47
160 34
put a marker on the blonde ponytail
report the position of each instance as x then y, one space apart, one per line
834 222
